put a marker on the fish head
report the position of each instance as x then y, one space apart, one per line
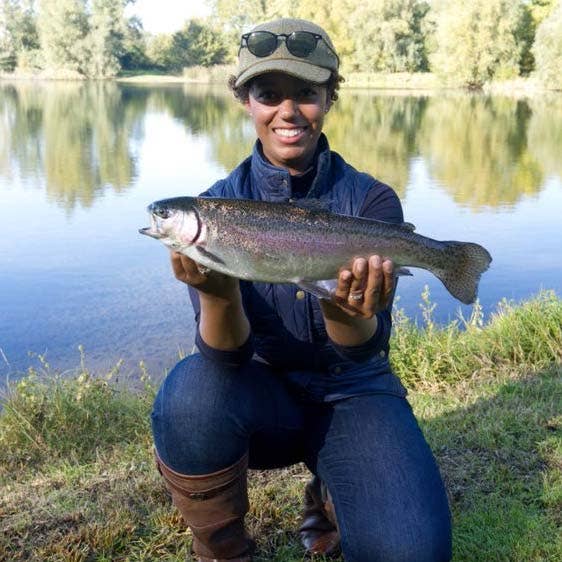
175 222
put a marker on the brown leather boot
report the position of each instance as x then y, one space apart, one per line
319 528
213 506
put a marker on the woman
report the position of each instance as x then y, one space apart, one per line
282 377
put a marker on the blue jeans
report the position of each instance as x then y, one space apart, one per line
388 495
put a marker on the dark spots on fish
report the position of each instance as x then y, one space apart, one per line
209 255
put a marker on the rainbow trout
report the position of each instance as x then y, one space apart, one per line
290 243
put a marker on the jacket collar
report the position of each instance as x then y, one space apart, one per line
274 184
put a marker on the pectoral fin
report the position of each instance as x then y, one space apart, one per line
322 289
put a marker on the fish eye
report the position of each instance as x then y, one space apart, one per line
161 212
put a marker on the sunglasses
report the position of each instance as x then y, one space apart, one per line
300 44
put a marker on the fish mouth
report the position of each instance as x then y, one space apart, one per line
149 231
153 231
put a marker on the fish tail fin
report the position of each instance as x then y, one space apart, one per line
467 263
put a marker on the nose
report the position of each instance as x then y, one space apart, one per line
288 108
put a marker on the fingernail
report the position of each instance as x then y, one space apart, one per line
376 261
360 265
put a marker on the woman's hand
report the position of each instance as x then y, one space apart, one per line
210 283
366 287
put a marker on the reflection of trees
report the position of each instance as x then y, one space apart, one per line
20 125
214 113
477 147
376 134
545 133
77 134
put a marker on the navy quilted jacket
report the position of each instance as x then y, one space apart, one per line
287 326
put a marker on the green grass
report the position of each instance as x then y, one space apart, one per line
78 482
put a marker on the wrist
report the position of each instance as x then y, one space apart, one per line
225 298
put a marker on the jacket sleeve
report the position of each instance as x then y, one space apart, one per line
381 203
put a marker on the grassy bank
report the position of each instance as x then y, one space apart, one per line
78 480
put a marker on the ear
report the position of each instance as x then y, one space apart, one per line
247 107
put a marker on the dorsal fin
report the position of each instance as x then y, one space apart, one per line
408 226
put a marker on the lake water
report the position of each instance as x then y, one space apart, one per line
80 162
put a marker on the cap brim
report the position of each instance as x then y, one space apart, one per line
292 67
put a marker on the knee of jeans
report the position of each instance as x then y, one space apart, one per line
388 547
195 417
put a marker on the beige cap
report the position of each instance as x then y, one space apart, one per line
316 67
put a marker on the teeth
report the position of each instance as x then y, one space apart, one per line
289 132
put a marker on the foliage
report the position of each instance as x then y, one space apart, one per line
18 31
133 54
389 36
548 49
465 43
63 27
104 43
196 45
529 336
79 483
475 41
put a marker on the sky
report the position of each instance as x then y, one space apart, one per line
165 16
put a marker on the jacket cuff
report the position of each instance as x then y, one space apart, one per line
230 358
376 344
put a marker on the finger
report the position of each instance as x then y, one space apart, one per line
185 269
389 279
360 271
177 265
374 284
344 282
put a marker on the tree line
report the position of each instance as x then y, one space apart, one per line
462 42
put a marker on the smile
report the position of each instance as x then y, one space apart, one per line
289 133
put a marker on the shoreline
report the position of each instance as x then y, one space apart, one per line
395 82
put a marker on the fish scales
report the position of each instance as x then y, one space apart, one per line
283 242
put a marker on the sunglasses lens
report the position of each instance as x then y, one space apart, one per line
301 43
261 43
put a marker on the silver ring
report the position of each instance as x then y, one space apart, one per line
203 270
356 295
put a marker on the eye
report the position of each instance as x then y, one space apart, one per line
161 212
267 96
307 94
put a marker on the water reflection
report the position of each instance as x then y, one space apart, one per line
477 148
80 138
377 134
463 166
75 137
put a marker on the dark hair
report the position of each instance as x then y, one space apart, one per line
242 93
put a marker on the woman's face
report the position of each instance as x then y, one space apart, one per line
288 115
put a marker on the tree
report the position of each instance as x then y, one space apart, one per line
476 41
548 49
196 44
158 50
134 51
388 36
533 13
63 27
107 29
17 30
